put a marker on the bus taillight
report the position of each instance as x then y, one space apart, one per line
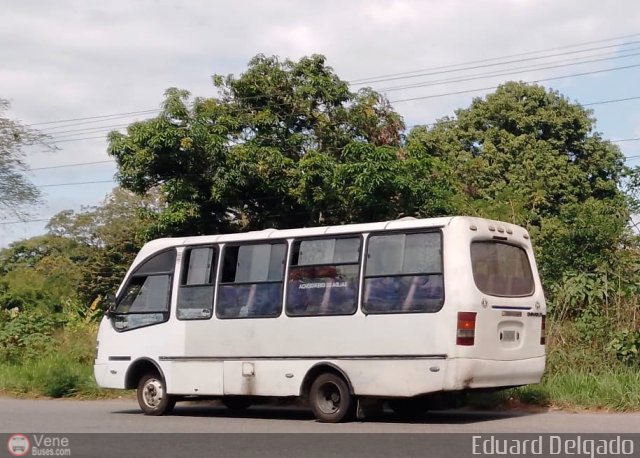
542 331
466 331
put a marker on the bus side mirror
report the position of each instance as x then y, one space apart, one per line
109 304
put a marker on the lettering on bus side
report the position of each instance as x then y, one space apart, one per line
323 276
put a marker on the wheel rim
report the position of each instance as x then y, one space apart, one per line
152 393
329 398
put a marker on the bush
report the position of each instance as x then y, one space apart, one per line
61 383
625 346
25 335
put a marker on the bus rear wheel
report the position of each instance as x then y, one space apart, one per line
152 396
330 399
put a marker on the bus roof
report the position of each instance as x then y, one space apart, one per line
402 223
406 223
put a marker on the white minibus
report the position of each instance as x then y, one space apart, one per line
397 310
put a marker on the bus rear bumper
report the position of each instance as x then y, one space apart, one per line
467 373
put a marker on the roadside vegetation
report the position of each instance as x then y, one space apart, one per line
289 144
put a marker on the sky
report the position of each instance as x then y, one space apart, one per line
73 60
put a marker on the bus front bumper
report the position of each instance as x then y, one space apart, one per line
110 375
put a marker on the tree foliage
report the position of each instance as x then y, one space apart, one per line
284 144
111 235
84 255
16 191
40 273
528 155
288 144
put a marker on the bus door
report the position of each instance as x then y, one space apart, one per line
199 370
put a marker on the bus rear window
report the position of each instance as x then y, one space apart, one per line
500 269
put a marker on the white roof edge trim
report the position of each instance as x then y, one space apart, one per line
399 224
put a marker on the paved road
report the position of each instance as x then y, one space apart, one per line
66 418
123 416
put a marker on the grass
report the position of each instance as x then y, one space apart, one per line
54 376
64 371
617 389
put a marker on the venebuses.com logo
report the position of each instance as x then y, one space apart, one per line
38 445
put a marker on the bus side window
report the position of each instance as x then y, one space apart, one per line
323 277
195 296
252 279
403 273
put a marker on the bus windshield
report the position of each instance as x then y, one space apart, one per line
500 269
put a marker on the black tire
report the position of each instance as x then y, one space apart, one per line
408 407
236 404
331 400
152 396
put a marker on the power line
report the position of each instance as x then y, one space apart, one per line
101 118
109 161
498 64
610 101
357 81
601 102
73 137
130 113
79 139
88 129
513 71
95 121
98 129
108 128
468 91
77 164
74 183
24 221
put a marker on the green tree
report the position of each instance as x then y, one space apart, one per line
16 191
528 155
84 255
111 234
285 144
40 273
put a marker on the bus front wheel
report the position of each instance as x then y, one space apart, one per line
330 399
152 396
